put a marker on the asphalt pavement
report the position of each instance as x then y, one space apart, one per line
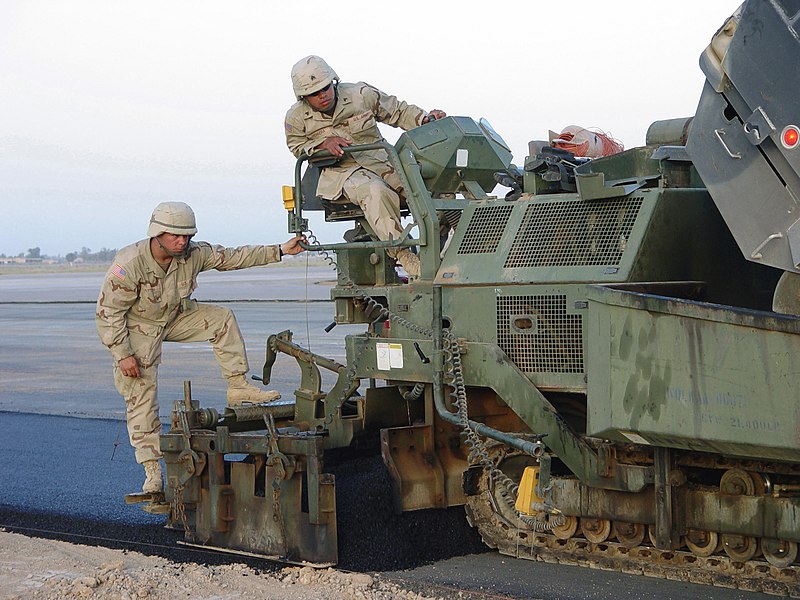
70 475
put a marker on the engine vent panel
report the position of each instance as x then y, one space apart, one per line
485 229
574 233
538 334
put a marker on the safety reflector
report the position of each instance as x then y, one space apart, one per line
790 138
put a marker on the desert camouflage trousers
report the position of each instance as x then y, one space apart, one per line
203 322
380 203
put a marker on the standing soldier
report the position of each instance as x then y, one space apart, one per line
329 115
146 300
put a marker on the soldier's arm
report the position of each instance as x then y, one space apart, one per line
388 109
297 140
116 297
241 257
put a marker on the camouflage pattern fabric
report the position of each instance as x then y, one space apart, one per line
380 203
141 306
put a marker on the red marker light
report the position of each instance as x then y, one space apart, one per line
790 137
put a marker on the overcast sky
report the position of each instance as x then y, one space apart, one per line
109 107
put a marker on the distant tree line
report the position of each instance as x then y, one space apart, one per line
103 255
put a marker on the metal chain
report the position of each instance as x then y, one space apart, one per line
478 452
277 513
179 509
275 459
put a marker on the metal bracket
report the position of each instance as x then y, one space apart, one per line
793 235
758 126
665 523
192 462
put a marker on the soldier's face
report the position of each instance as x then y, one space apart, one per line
324 100
174 243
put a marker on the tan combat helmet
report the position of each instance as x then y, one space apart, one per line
172 217
311 74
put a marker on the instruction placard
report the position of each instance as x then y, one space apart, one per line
389 356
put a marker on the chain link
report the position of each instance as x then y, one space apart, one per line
179 510
276 460
277 513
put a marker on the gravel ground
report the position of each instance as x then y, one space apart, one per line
52 570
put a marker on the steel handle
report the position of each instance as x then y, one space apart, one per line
718 133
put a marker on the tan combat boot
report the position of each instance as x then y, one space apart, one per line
241 392
153 483
409 261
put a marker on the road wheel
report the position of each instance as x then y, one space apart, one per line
737 482
702 543
629 535
779 553
595 530
568 529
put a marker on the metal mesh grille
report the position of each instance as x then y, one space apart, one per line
485 229
450 218
554 341
574 233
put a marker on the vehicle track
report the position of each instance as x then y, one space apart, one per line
717 570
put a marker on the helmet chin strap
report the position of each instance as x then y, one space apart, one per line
183 254
335 100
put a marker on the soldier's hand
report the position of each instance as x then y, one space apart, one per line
434 115
293 245
130 366
334 145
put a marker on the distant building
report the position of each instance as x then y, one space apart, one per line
20 260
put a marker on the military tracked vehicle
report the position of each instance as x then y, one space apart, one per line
590 364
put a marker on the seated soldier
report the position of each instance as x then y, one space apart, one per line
329 115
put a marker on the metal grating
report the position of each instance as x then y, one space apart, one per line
574 233
485 229
549 341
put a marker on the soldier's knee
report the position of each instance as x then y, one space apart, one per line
379 188
221 318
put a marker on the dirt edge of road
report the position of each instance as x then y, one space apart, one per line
51 570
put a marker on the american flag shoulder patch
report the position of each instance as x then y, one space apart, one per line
118 272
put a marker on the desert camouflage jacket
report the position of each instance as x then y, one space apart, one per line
138 294
359 109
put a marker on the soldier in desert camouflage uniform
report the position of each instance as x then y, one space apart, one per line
146 300
329 115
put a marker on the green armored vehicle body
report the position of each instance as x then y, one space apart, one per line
590 364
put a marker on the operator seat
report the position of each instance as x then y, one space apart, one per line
336 210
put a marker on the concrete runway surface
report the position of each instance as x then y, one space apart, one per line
60 424
52 362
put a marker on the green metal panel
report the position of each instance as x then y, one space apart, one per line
692 375
552 238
